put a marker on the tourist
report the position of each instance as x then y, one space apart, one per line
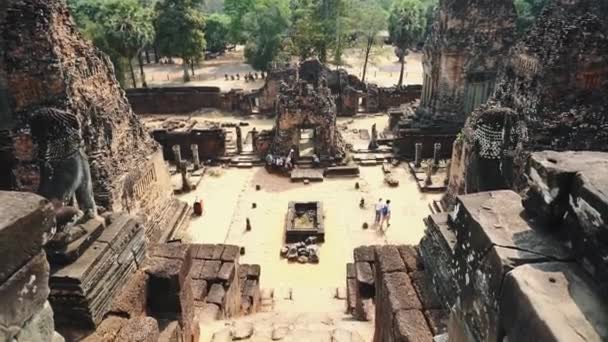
386 214
379 207
316 162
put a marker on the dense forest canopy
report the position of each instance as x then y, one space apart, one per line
271 30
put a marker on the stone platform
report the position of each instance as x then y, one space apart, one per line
81 292
304 220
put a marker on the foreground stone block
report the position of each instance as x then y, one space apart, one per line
410 326
553 302
140 329
388 259
493 237
24 294
40 327
27 222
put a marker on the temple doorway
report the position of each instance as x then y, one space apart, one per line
307 142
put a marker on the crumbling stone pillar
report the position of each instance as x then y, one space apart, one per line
418 155
239 140
195 157
436 153
177 155
254 139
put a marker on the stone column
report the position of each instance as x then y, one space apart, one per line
195 157
418 155
177 155
254 140
239 140
436 151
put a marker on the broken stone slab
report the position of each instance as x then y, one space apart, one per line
226 272
425 291
230 253
551 175
108 330
410 325
216 294
553 302
62 255
410 258
25 293
279 332
199 290
400 293
242 331
39 327
364 253
27 222
210 270
131 300
364 272
388 259
140 329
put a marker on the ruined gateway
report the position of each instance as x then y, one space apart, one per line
516 251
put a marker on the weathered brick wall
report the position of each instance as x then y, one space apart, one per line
406 306
173 100
68 73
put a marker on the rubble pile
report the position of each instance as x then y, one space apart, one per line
306 251
26 223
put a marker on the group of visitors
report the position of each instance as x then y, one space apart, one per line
383 214
248 77
282 163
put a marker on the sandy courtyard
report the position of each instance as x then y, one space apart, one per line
228 201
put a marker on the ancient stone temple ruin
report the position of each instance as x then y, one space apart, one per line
462 57
306 121
96 246
551 94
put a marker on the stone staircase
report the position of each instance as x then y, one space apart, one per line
436 207
293 314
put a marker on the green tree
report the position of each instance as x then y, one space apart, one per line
120 28
371 19
217 31
237 10
407 23
180 31
308 36
265 28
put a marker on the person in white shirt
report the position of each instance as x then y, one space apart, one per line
378 217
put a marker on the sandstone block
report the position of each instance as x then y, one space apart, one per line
388 259
139 329
210 270
231 253
364 273
424 289
226 272
410 258
350 270
131 301
364 253
216 295
410 326
40 327
552 302
25 292
27 222
399 292
437 320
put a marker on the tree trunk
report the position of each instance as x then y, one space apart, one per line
368 49
192 67
147 55
402 69
141 70
132 72
186 72
156 56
